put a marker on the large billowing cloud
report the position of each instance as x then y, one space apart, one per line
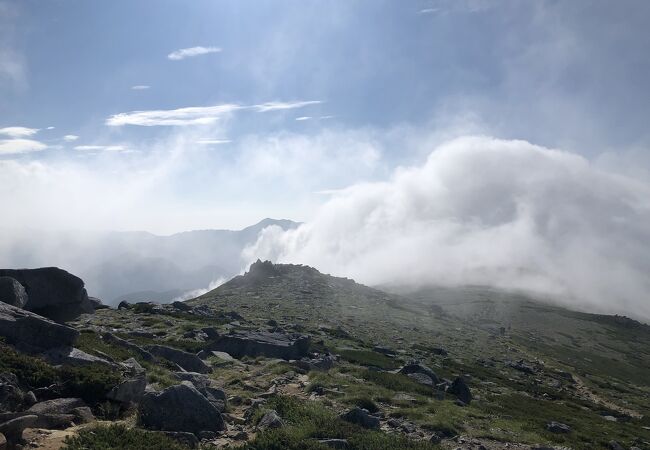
487 211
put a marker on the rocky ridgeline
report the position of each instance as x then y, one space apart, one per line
215 371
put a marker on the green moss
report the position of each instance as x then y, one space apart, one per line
369 358
119 437
395 382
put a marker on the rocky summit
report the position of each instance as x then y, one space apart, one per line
285 357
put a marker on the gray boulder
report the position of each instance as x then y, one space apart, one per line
3 442
52 292
57 406
112 339
361 417
270 420
129 391
180 408
12 292
460 389
13 429
31 332
186 361
11 398
421 378
73 357
416 367
203 384
261 343
558 427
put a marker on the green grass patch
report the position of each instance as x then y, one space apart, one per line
90 383
369 358
306 422
119 437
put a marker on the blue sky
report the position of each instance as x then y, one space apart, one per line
377 84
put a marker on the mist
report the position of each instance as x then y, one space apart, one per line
485 211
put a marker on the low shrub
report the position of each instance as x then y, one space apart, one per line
119 437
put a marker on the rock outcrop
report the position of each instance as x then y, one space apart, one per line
12 292
31 332
52 292
180 408
260 343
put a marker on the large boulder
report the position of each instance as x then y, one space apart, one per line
31 332
260 343
180 408
186 361
12 292
52 292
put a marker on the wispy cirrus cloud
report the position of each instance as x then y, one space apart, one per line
70 137
140 87
109 148
190 52
213 141
18 132
196 115
18 146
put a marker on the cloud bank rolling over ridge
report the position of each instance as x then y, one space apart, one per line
485 211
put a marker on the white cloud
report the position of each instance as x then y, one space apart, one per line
109 148
303 118
429 10
485 211
140 87
50 128
18 132
195 115
183 53
70 137
18 146
213 141
275 106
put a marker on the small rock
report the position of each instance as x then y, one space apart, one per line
460 389
270 420
613 445
416 367
361 417
558 427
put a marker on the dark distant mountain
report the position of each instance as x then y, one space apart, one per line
123 265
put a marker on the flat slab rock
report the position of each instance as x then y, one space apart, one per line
260 343
186 361
32 332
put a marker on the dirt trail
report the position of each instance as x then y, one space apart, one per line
584 391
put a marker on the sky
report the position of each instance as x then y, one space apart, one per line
424 141
261 108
